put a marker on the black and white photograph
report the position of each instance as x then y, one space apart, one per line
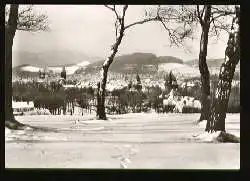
122 86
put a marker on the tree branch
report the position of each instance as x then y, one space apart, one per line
214 26
114 10
33 22
173 38
199 15
124 11
222 10
203 9
27 20
222 14
143 21
29 9
222 26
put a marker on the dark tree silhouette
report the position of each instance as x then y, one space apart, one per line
205 80
209 15
10 30
138 85
212 21
172 81
24 20
63 73
130 84
216 121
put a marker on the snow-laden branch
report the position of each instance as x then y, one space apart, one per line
28 20
26 10
33 22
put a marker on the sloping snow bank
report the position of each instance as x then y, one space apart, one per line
207 137
218 136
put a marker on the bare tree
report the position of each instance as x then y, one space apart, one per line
216 121
208 15
205 80
180 22
163 15
25 20
120 28
212 22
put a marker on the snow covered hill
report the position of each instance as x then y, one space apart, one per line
179 69
55 69
29 68
142 63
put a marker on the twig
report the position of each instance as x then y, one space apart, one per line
214 25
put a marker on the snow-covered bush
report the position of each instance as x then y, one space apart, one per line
38 112
179 104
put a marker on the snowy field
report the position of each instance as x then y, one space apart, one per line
150 141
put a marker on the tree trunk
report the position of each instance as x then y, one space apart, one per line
217 117
101 114
205 75
101 100
10 30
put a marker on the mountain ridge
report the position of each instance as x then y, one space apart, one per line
133 63
50 58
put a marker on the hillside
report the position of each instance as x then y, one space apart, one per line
50 58
130 63
136 62
179 70
29 70
212 63
168 59
19 72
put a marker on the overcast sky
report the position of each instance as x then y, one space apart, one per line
90 29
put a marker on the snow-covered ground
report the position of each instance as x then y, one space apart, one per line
136 140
